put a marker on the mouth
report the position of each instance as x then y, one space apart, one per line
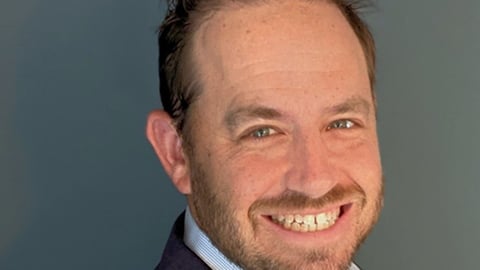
311 222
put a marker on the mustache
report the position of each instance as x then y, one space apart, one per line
294 200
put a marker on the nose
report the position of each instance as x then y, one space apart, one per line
312 172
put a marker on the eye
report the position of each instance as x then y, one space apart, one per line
262 132
341 124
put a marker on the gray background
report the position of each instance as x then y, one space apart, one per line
80 187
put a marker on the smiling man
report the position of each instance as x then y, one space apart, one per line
269 130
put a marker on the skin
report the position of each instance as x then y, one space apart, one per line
285 125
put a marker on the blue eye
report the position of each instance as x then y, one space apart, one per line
263 132
341 124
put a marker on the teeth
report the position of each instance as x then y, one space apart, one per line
304 227
296 227
289 219
321 218
322 226
307 223
310 219
298 219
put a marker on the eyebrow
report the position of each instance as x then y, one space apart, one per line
353 104
234 117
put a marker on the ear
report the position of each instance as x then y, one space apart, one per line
167 144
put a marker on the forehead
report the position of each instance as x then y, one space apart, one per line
241 45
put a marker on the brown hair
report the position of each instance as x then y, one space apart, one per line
178 84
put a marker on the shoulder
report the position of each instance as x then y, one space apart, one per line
176 254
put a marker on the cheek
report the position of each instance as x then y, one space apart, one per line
253 176
365 167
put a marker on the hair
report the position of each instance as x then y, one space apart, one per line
179 85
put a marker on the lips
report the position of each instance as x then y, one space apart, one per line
307 223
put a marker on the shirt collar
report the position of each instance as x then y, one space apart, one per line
200 244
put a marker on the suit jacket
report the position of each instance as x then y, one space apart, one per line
176 255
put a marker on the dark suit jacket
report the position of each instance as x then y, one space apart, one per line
177 255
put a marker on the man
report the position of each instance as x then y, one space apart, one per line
269 129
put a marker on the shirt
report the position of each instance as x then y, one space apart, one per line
200 244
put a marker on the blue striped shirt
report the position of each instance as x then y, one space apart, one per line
200 244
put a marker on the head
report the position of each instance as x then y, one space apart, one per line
269 128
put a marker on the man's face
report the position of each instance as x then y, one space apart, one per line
285 166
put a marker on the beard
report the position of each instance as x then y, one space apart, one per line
214 212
